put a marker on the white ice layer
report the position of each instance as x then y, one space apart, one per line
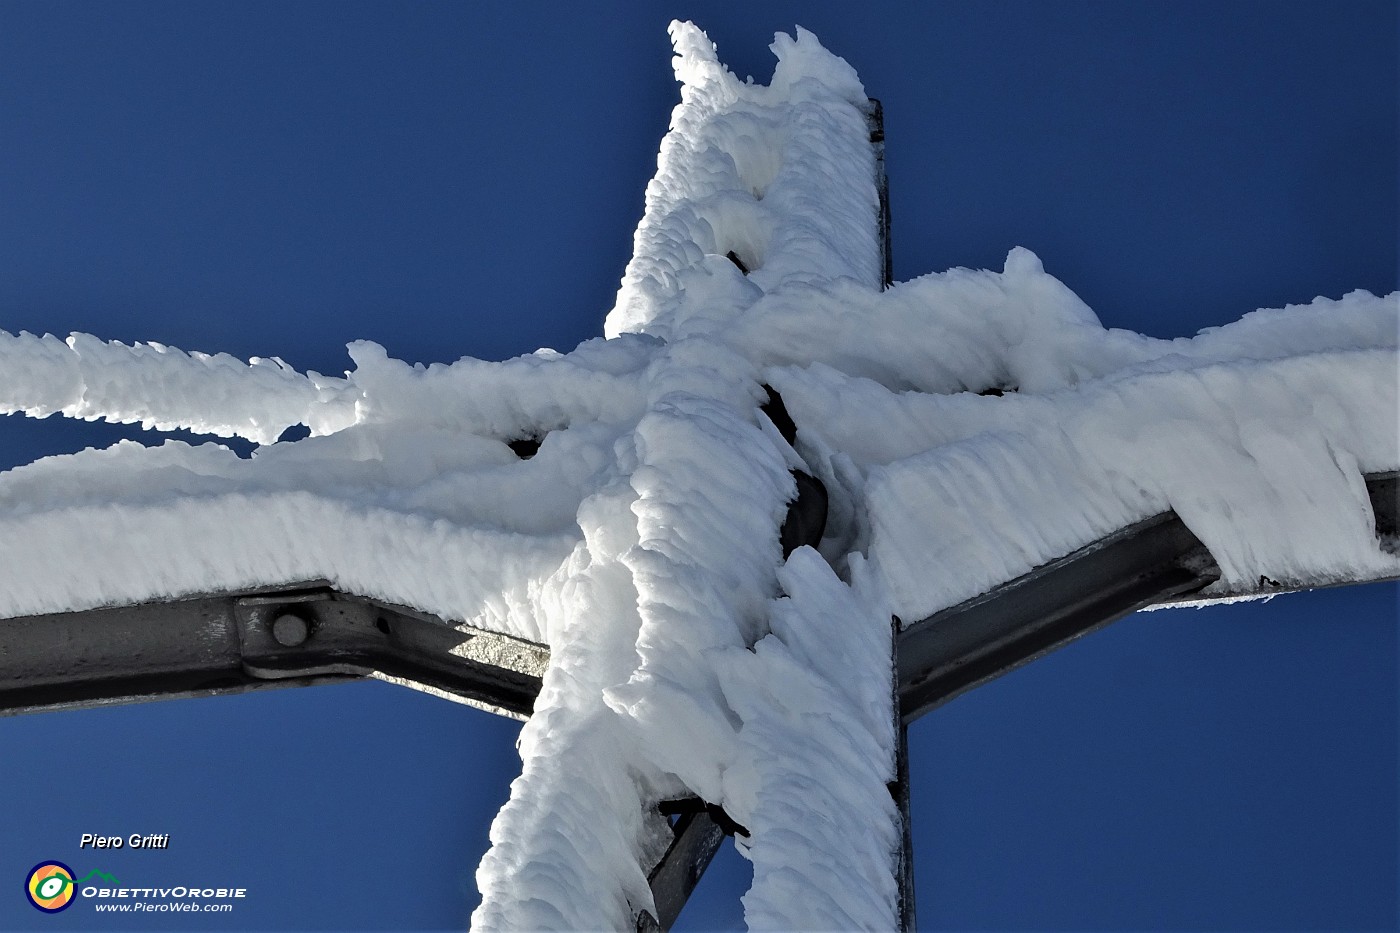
162 388
824 827
1250 432
641 543
740 172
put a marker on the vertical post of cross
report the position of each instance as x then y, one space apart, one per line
907 917
698 828
904 870
875 117
899 790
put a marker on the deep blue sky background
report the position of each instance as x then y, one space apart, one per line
452 178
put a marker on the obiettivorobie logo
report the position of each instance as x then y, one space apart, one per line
51 886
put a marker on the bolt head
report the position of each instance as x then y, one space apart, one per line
290 630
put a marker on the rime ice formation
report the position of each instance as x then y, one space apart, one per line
642 542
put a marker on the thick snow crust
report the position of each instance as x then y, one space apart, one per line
641 543
741 171
1256 434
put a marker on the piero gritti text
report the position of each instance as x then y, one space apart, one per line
134 841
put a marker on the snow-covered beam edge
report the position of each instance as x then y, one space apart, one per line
1151 564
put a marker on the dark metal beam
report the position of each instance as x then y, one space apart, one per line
978 640
1384 490
904 868
697 838
296 636
875 121
1155 561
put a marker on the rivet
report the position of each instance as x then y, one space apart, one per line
290 630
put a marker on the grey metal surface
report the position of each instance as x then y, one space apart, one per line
231 643
1384 490
904 869
1155 561
697 838
875 120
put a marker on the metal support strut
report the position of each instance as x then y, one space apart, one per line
698 830
293 636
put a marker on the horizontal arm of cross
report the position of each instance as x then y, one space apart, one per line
310 634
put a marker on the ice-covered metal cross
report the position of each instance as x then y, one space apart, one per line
999 472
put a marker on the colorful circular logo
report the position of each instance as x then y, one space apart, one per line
50 887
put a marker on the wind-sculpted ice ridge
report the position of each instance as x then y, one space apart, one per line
641 542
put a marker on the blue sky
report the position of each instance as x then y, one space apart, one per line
450 179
